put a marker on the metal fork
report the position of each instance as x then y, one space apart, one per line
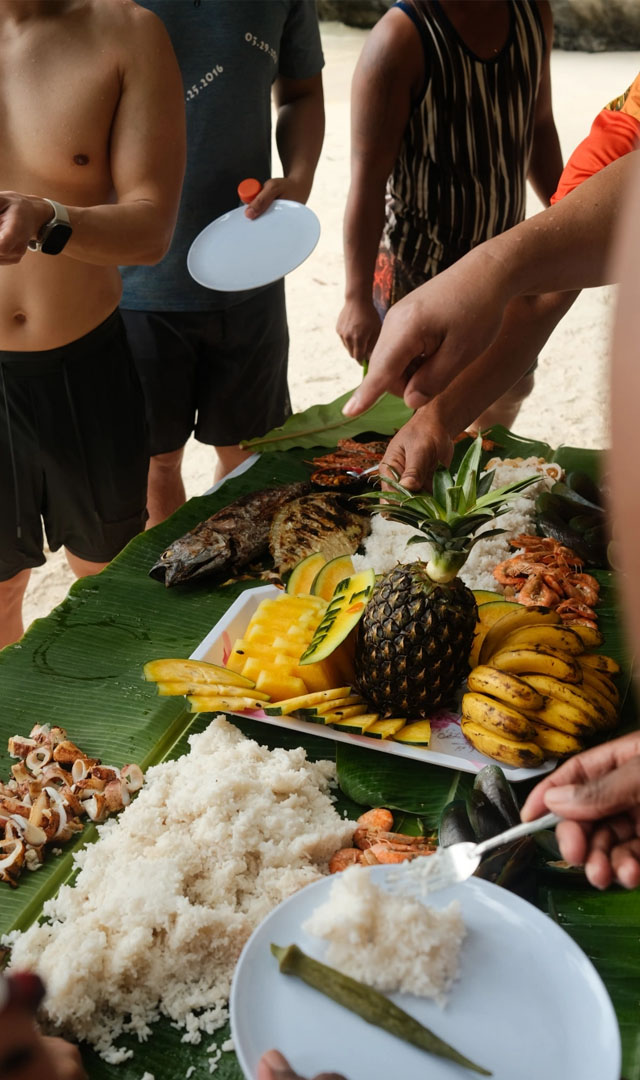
458 862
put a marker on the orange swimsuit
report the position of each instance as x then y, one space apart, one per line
614 132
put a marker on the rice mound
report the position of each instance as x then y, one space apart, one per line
388 941
386 546
166 898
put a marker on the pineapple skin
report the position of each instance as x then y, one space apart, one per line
414 641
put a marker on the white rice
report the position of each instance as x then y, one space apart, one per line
386 546
168 895
388 941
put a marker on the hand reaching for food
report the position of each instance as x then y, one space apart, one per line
598 793
417 449
273 1066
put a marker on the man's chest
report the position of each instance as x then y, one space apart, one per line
56 117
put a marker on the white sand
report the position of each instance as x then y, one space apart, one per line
569 403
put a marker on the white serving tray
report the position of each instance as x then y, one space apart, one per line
448 746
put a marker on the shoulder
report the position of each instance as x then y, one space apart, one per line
394 47
546 18
135 26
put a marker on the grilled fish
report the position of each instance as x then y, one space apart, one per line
228 540
314 523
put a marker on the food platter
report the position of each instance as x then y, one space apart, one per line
235 252
448 746
528 1002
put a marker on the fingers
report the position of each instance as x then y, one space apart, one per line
274 1066
65 1059
263 200
617 791
625 863
579 769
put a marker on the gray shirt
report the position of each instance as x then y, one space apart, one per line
229 52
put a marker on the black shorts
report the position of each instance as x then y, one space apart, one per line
219 374
73 450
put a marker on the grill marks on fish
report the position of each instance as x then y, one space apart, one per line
315 523
228 540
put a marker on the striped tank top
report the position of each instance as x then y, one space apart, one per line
460 176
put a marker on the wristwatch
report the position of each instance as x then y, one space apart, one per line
54 234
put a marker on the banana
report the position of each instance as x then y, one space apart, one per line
505 687
526 755
538 660
568 719
555 743
591 638
543 634
602 663
514 620
602 684
578 697
496 717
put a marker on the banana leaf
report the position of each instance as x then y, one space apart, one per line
81 668
323 425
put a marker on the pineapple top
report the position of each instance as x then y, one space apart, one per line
449 518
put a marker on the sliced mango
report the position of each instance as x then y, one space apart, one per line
184 688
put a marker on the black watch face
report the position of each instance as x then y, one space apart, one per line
57 238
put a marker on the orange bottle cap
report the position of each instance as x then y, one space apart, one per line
248 189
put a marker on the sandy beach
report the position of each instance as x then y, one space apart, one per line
570 401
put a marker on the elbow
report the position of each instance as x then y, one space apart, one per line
153 251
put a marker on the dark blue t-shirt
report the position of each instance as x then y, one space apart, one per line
229 52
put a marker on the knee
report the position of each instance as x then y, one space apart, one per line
12 591
166 464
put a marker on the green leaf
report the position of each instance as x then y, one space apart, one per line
577 459
467 475
506 492
440 484
374 779
323 425
515 445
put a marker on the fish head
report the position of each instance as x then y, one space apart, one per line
183 560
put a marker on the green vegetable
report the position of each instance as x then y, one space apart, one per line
372 1006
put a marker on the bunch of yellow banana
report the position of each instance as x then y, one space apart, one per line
537 693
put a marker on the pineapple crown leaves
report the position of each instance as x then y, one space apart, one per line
457 507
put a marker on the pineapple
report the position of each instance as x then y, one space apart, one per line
415 635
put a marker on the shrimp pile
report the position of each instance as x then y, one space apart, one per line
374 843
545 573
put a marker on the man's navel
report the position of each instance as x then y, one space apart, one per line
19 317
81 159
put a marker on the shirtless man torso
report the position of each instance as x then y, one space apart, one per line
92 117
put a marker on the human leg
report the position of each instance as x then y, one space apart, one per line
244 393
165 489
83 567
162 344
505 410
11 597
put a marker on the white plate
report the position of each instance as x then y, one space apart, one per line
529 1005
235 252
448 746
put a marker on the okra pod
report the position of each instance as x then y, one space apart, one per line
368 1003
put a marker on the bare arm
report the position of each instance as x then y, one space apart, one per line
545 165
299 137
387 79
431 335
147 154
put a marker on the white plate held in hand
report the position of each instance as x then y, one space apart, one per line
528 1005
235 252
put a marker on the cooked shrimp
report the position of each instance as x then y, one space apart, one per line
347 856
378 818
